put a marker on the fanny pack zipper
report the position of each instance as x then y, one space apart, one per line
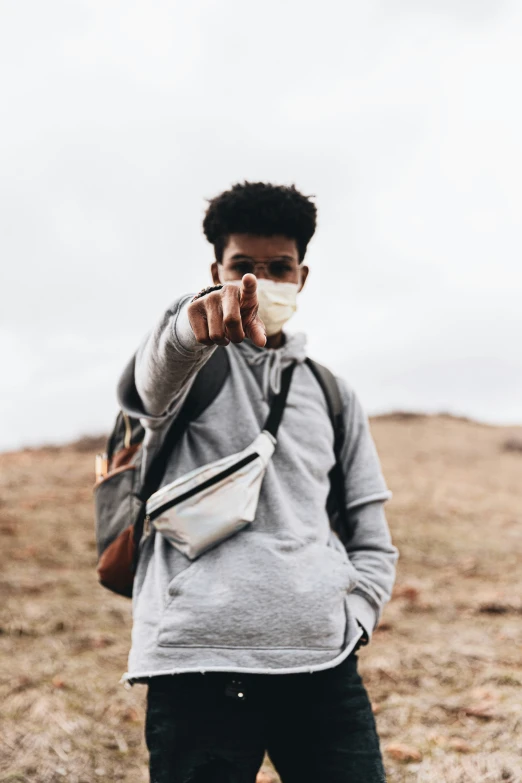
201 487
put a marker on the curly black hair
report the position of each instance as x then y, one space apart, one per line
261 209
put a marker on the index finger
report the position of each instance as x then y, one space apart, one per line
248 292
232 314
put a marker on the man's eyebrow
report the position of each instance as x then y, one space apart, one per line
242 256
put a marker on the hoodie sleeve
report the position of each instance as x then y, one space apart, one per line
158 377
370 550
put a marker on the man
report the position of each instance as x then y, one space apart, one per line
251 647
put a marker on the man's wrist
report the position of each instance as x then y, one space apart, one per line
205 291
364 639
362 612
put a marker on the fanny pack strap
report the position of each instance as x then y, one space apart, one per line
278 403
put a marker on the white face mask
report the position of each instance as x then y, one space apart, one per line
277 303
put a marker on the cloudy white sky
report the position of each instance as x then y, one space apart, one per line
120 118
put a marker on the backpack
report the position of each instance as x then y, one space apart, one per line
119 495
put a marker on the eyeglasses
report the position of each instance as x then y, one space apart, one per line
279 269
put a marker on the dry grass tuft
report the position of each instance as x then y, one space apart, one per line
513 445
443 670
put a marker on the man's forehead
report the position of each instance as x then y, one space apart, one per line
259 247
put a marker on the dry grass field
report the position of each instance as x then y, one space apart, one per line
444 669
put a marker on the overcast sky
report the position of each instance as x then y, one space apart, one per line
402 117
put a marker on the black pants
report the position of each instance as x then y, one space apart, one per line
215 727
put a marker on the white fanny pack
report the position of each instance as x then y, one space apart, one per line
208 505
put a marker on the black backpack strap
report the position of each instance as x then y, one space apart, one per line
205 388
336 504
330 388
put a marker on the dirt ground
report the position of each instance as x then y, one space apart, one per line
443 670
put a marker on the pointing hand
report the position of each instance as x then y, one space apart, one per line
228 315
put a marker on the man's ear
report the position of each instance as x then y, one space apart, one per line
304 275
214 271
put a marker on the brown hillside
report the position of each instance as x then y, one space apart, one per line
444 669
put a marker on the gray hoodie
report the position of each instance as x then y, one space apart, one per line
283 595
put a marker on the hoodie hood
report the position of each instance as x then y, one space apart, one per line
269 363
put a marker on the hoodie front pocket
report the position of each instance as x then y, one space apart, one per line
260 593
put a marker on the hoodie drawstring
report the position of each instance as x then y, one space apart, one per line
272 370
274 360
